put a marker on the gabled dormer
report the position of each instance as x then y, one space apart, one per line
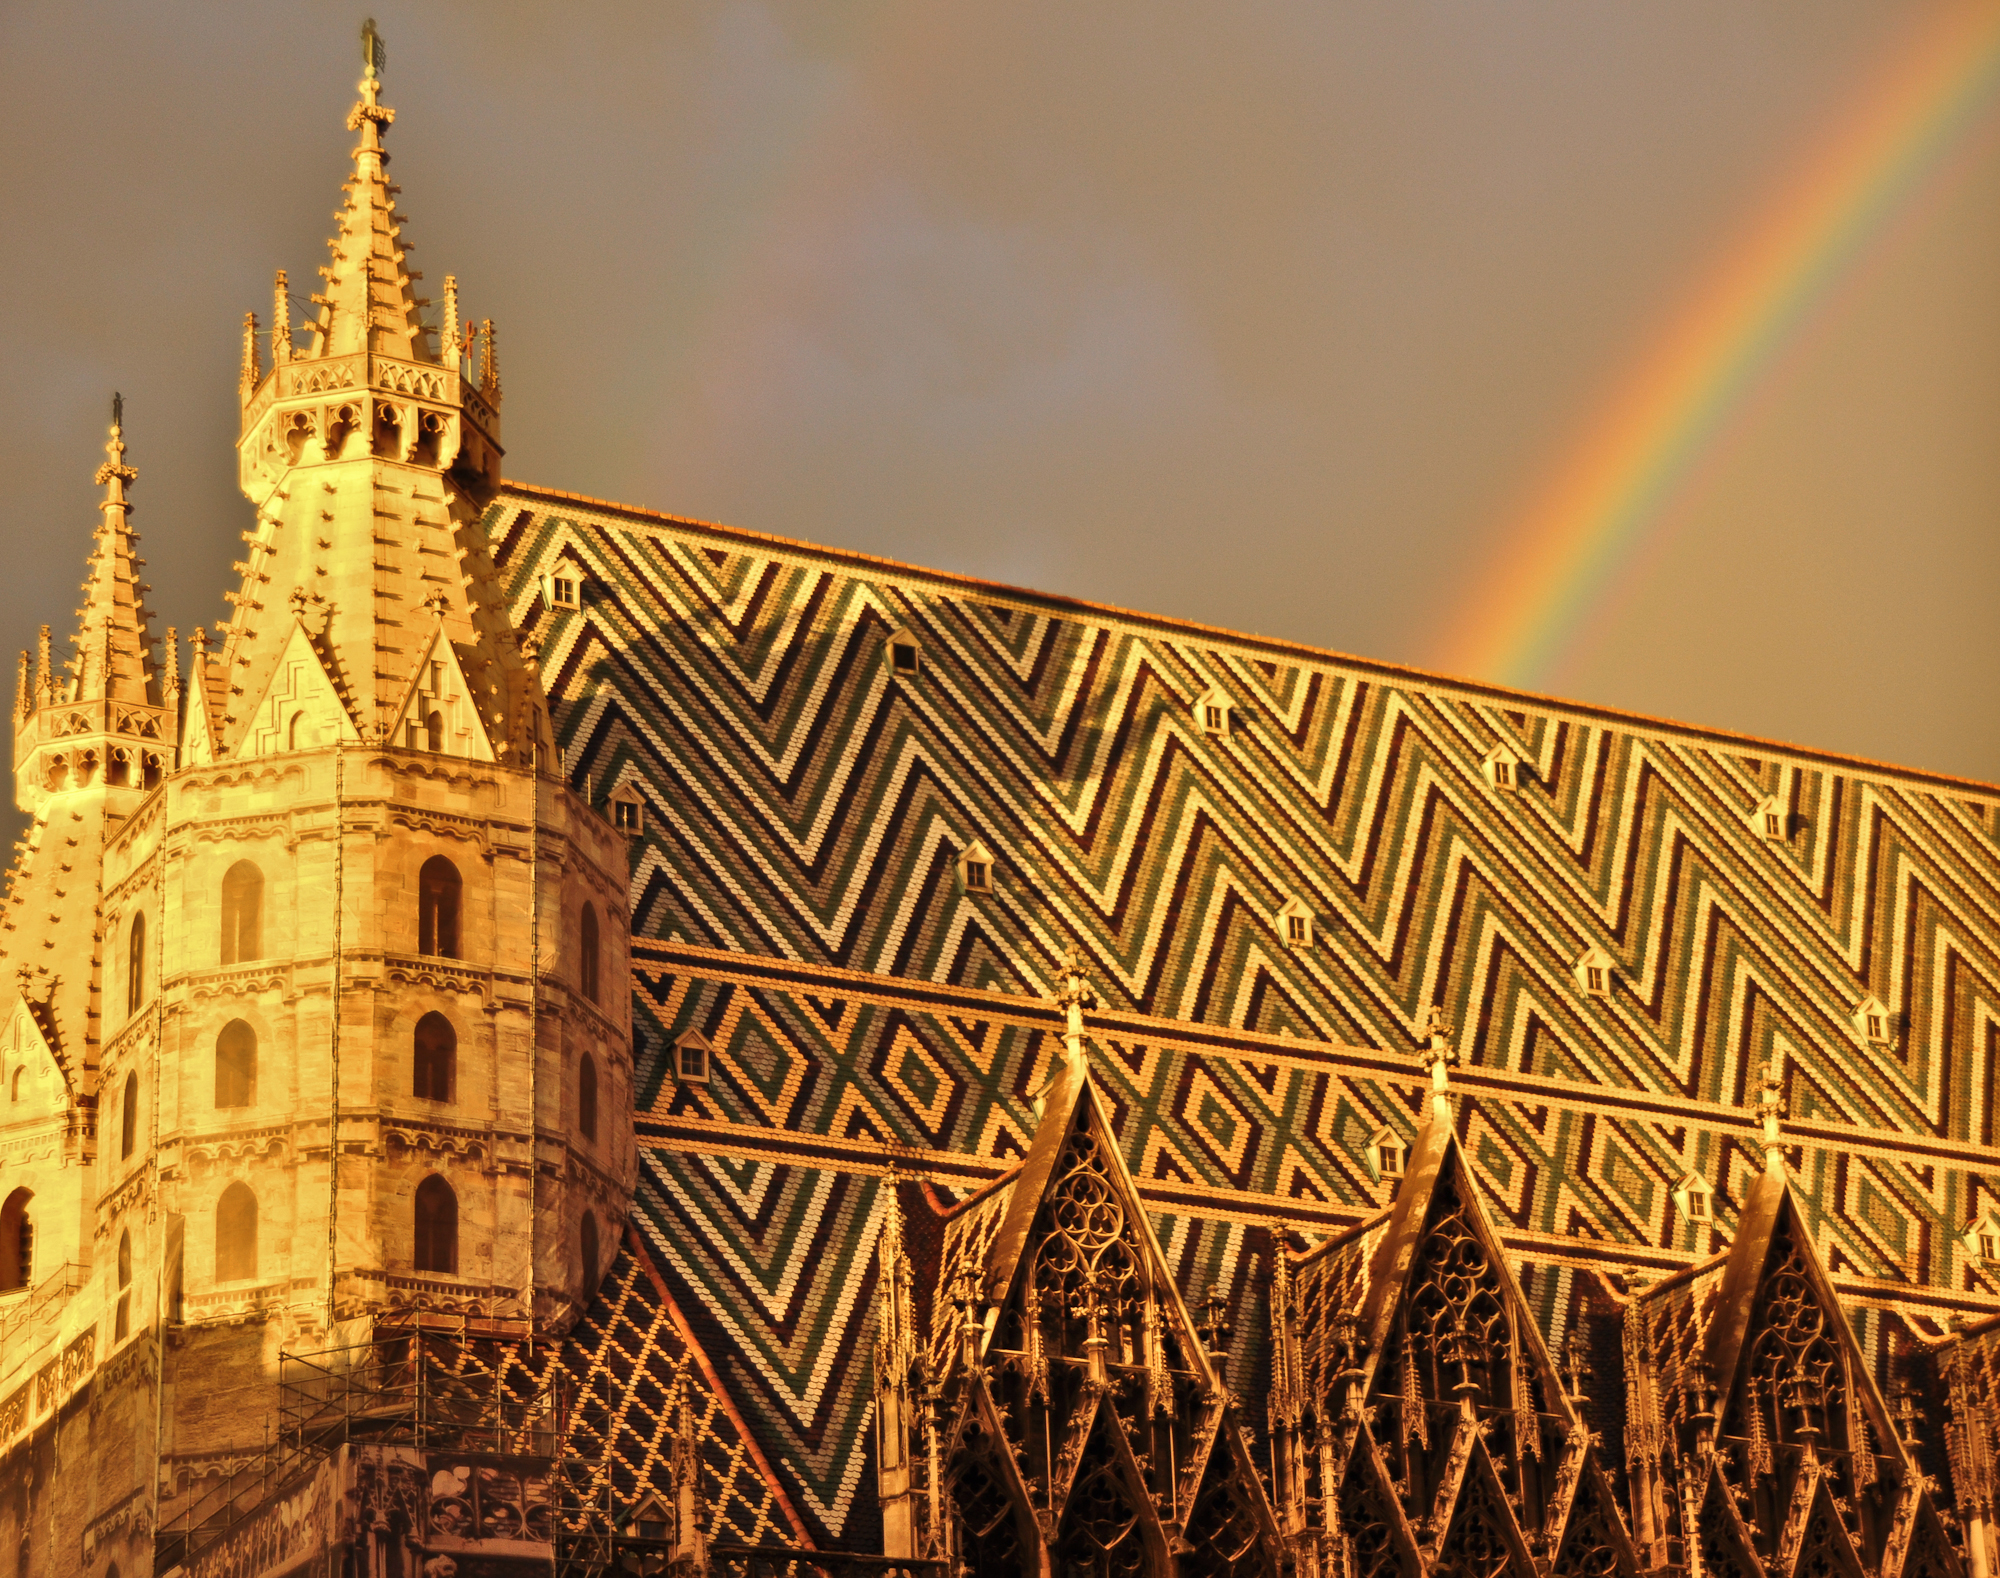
1981 1238
1874 1023
1694 1198
1594 970
1502 769
1387 1155
904 652
1214 712
1769 820
626 807
975 868
1295 925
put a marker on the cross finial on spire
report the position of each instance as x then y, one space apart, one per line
1437 1057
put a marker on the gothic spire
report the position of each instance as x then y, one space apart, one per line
367 303
112 641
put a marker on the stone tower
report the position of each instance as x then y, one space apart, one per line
321 1017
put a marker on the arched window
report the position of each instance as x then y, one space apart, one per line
433 731
436 1058
135 965
589 1246
437 1226
14 1084
17 1243
236 1066
437 908
586 1098
300 735
242 913
128 1117
586 951
124 1325
236 1234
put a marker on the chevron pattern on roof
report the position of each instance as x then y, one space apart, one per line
798 878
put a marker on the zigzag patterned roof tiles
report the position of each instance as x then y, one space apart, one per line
797 898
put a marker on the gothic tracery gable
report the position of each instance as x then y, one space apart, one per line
1368 1518
1775 1443
1418 1329
1593 1542
1929 1552
1803 1433
1481 1538
1724 1543
1074 1383
1225 1530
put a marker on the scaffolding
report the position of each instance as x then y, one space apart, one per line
425 1382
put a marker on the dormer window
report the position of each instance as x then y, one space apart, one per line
1295 924
1211 712
1876 1024
906 657
1502 768
1691 1198
975 868
649 1520
562 587
1387 1155
1594 972
1981 1237
628 810
1769 821
691 1058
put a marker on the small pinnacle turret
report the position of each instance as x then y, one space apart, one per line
105 722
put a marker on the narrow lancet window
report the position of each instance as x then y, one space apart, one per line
438 890
236 1066
236 1234
436 1058
436 1227
242 914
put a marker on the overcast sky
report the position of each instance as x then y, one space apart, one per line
1265 315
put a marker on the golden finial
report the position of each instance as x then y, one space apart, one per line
374 53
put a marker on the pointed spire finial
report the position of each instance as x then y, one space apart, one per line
1075 995
489 369
281 322
1437 1057
252 371
1772 1111
374 53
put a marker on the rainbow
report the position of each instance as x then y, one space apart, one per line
1567 553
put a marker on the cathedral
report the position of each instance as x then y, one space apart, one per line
561 1039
